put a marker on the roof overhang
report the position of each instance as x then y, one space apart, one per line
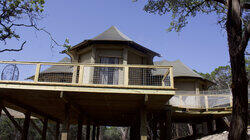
131 44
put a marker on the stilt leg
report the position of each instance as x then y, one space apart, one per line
97 132
45 126
79 131
88 132
26 126
93 132
57 131
165 125
65 128
143 128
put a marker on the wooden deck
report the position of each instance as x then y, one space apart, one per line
66 93
105 104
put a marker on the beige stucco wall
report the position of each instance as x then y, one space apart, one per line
93 53
185 85
190 85
85 58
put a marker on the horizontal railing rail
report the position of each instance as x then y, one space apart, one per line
103 75
201 101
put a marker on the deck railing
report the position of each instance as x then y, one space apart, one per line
201 101
100 75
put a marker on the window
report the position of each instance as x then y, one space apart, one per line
107 75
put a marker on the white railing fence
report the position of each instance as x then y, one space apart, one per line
201 101
143 76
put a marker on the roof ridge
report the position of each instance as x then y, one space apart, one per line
112 33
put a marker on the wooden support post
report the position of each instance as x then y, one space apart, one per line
171 77
132 132
12 120
93 132
45 126
97 132
74 76
26 125
210 126
143 127
79 131
231 100
168 124
81 73
57 134
88 132
155 135
36 127
206 103
38 67
204 128
165 125
65 128
126 75
194 130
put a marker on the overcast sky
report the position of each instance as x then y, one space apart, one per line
202 45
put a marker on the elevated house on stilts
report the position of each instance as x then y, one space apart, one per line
107 80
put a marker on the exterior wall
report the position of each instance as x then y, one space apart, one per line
124 53
85 58
185 85
134 58
190 85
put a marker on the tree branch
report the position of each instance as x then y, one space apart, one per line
221 1
14 50
245 38
246 6
40 29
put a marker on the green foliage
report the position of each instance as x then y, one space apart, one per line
181 10
221 76
18 13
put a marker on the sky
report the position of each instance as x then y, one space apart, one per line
201 45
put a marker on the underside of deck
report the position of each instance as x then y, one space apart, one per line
98 105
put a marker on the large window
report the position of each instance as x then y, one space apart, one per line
107 75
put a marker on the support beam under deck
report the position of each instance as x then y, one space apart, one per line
65 127
79 130
26 125
45 126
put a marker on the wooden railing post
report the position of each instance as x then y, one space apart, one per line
171 77
206 103
126 75
74 74
38 67
81 71
231 100
182 103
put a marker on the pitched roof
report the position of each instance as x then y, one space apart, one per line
179 69
59 69
112 34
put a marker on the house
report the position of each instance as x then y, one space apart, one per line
186 81
108 80
113 47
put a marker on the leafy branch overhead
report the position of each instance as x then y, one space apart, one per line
17 14
182 10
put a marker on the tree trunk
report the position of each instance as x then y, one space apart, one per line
237 42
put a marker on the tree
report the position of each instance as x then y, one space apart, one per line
221 76
235 16
16 14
